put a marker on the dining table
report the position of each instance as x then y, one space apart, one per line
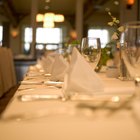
39 111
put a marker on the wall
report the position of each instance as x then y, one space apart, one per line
127 15
98 20
16 43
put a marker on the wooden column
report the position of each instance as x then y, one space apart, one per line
6 34
138 4
34 11
79 18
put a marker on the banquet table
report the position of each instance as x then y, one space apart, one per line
68 119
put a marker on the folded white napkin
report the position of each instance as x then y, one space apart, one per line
47 63
82 80
81 77
59 68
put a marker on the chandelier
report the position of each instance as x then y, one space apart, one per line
49 19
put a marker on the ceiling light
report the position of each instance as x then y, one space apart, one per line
107 9
116 2
48 24
14 31
48 19
46 7
59 18
130 3
47 1
40 18
49 16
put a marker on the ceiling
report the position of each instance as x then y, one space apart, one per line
59 6
17 9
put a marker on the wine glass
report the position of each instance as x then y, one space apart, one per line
91 50
130 51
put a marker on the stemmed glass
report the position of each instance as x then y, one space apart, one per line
91 50
131 51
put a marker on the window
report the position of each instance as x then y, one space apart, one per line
103 34
27 38
1 35
49 36
46 38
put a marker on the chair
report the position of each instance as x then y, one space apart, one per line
7 73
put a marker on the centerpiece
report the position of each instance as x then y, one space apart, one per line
114 43
111 52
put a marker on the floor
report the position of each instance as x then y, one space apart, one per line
4 100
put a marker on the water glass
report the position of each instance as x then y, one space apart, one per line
130 52
91 50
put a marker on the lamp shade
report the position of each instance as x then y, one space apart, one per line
130 2
59 18
48 24
14 31
49 16
40 18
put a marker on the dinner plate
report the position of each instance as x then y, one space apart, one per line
101 98
34 74
34 94
112 103
35 97
27 82
38 74
54 83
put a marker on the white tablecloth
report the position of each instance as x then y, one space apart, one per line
69 120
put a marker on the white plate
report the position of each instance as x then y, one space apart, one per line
35 97
54 83
26 82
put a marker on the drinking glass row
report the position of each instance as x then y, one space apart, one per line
129 52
